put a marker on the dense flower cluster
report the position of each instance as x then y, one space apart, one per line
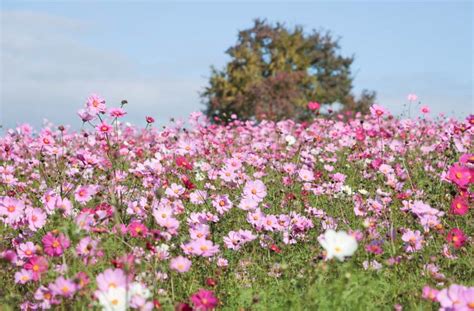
117 217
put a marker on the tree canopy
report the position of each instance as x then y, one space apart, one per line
275 71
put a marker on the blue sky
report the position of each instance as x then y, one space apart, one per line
157 54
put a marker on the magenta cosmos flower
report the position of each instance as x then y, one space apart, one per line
137 229
55 244
456 237
459 206
313 106
204 300
460 175
37 265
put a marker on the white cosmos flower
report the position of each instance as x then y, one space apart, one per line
115 299
338 244
347 190
139 289
290 140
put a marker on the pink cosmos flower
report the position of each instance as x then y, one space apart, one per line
11 210
83 194
26 250
85 115
467 158
256 190
117 112
456 237
180 264
54 245
454 297
306 175
23 276
174 190
429 293
222 262
162 214
460 175
95 104
236 239
36 218
425 109
412 97
467 297
136 229
247 204
459 206
377 111
204 300
37 265
64 205
414 240
86 247
63 287
222 204
104 128
49 200
111 278
198 197
46 296
202 247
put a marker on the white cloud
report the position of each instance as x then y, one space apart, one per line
47 72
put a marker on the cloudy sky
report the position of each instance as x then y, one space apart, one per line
157 54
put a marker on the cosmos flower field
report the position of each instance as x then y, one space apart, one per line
352 213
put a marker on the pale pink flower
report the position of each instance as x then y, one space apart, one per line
413 239
256 190
23 276
111 278
180 264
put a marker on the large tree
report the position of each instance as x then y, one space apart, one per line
275 71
